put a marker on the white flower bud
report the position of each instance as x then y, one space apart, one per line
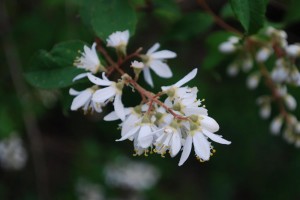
227 47
253 80
290 102
293 50
279 74
270 30
233 39
233 69
137 64
263 54
276 125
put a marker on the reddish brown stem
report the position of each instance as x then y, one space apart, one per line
217 19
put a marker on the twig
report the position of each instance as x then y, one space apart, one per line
217 19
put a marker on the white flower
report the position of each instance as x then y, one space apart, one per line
280 72
118 39
204 128
263 54
265 106
112 91
155 60
142 132
89 61
176 89
169 139
247 64
276 125
198 138
137 64
84 99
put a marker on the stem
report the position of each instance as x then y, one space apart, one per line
217 19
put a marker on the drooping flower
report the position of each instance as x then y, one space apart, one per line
89 61
142 133
203 128
112 91
155 60
83 100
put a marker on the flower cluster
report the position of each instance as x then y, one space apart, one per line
172 120
275 62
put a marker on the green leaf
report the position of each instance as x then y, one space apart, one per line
108 16
55 78
213 56
227 11
55 69
191 24
65 53
250 13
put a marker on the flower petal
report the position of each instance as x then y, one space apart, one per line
175 144
215 138
98 81
73 92
195 111
187 78
81 99
80 76
119 107
164 54
201 146
103 94
161 69
113 116
129 133
153 48
145 137
147 76
210 124
186 150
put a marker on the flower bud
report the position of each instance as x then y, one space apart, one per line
263 54
233 69
276 125
227 47
290 102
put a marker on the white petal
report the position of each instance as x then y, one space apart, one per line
215 138
119 107
201 146
195 111
113 116
186 150
187 78
164 54
153 48
129 133
161 69
129 123
147 76
290 102
145 137
81 99
80 76
103 94
210 124
98 81
176 144
73 92
97 107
